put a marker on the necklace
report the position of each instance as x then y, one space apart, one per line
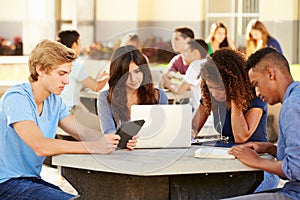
220 126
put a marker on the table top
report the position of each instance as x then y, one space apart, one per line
151 162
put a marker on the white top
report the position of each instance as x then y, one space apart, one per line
70 94
192 77
149 162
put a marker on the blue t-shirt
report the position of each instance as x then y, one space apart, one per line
17 159
288 147
222 118
108 124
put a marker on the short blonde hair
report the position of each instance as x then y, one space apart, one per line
48 54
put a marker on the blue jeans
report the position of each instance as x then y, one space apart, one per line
270 182
31 188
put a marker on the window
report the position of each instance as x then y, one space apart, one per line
234 14
78 15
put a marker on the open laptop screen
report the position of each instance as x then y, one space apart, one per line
166 126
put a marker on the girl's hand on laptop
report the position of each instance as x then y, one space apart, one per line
132 142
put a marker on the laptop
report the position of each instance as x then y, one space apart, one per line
166 126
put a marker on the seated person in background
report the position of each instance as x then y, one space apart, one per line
257 37
195 52
29 115
130 82
180 37
79 78
218 38
134 40
269 72
228 93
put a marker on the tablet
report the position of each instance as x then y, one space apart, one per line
127 130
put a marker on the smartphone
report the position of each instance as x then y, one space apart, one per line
127 130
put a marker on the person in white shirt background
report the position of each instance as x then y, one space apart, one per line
79 79
195 52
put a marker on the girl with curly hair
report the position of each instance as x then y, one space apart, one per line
238 114
228 93
130 82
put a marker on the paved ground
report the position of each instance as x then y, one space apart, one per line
52 175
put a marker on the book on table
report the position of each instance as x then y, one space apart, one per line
213 152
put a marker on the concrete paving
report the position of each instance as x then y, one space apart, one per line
53 176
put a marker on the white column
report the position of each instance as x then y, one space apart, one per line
38 23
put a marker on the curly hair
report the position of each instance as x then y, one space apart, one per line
226 68
119 68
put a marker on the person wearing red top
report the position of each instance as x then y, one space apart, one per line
180 37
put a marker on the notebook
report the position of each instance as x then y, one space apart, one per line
166 126
213 152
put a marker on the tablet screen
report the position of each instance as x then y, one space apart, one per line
127 130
